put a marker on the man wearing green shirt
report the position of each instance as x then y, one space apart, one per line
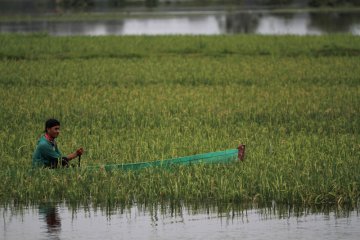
47 153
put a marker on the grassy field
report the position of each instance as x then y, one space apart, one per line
294 101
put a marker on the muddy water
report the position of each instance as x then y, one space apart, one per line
61 222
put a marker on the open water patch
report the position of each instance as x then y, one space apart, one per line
59 221
193 22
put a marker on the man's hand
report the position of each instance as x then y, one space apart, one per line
75 154
79 151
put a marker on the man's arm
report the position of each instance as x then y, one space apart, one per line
75 154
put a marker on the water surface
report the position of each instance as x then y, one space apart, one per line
60 222
197 23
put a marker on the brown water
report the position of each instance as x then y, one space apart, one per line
60 222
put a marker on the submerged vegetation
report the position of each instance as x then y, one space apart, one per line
294 101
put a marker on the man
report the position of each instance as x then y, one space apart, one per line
47 153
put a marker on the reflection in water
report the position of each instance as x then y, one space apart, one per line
213 23
298 24
355 29
338 22
87 28
293 23
174 221
65 28
49 213
180 25
242 22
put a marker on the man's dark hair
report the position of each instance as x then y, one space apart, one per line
51 123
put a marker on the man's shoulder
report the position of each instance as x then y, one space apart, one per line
43 142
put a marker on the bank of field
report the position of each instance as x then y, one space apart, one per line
294 101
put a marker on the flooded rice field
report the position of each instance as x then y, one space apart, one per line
62 221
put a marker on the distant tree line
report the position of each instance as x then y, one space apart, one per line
333 3
91 3
313 3
75 3
153 3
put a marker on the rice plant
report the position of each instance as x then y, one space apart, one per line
294 101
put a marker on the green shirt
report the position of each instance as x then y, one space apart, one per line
46 153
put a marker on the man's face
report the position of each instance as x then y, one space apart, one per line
53 131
